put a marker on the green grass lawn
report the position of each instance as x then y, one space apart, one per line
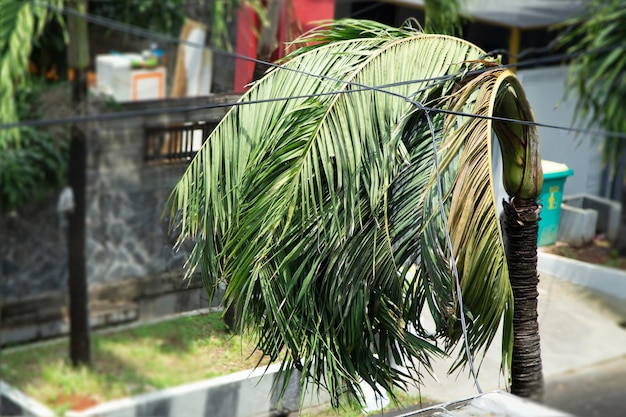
138 360
129 362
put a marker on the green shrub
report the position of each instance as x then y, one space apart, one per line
164 16
35 161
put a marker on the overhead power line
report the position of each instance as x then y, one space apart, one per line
126 28
183 109
112 24
153 35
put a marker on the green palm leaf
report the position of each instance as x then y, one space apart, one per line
315 209
20 23
596 72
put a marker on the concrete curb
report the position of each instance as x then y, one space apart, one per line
14 402
609 281
242 394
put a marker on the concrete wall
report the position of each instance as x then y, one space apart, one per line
545 90
133 269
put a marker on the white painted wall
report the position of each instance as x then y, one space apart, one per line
544 88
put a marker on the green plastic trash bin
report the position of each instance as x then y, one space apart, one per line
554 175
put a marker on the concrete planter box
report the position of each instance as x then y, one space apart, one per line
579 208
243 394
577 226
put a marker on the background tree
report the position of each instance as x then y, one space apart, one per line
31 160
34 161
443 16
598 77
325 205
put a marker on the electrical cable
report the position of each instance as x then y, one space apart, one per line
153 35
157 36
182 109
455 272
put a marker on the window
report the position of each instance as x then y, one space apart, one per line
177 143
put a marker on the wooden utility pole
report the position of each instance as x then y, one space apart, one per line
78 59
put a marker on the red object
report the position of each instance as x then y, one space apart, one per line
309 12
306 13
246 46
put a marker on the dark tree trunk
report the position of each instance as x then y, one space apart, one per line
230 317
80 351
521 225
78 59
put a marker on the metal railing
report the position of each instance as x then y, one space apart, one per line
178 143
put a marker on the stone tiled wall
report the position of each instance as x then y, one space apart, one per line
32 251
127 238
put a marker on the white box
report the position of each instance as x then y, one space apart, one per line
116 78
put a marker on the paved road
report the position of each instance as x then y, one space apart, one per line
598 390
595 391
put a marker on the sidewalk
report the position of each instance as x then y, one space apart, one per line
577 330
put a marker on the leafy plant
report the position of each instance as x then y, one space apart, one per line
598 70
34 162
21 22
222 14
163 16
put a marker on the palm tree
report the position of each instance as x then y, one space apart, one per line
597 76
326 206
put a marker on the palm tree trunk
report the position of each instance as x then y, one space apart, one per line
521 218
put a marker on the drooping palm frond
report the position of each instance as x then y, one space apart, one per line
20 23
316 199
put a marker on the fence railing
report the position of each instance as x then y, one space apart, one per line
177 143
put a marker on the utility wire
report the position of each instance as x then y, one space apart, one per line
182 109
153 35
451 259
157 36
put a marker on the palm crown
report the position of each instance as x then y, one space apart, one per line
325 204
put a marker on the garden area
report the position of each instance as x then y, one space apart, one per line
140 359
129 362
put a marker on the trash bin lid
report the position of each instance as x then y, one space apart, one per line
553 169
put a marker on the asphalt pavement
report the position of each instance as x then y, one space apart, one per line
595 391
